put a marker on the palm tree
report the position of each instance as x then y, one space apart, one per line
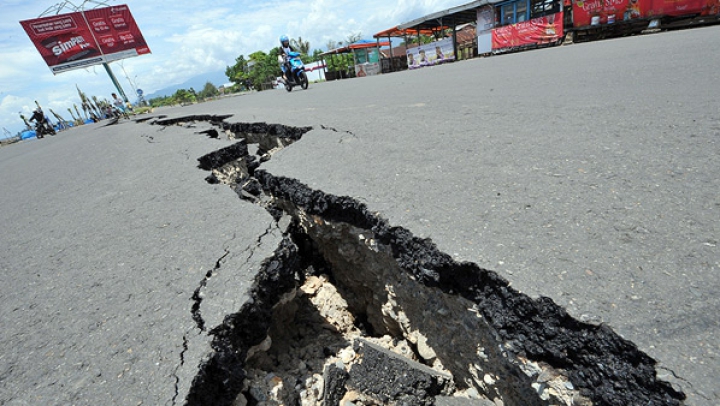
77 111
96 106
75 120
62 121
301 46
84 101
352 38
332 45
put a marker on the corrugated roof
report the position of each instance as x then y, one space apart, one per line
397 32
363 43
366 43
452 17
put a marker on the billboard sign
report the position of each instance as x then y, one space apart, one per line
540 30
433 53
85 38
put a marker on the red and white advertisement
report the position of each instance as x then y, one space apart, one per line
116 32
541 30
85 38
600 12
597 12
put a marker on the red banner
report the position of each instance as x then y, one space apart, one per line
116 32
599 12
596 12
541 30
81 39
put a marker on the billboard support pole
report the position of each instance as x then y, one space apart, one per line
115 81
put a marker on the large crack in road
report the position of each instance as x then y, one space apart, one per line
350 307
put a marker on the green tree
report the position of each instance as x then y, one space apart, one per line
316 55
162 101
184 96
422 39
301 46
209 90
157 102
238 73
340 62
263 68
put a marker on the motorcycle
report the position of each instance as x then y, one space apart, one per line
296 76
42 125
44 128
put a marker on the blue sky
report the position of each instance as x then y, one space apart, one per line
185 39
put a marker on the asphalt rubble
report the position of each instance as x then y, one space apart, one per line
350 310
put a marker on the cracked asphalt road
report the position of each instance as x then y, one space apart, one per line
586 173
105 238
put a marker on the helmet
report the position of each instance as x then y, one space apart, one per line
284 39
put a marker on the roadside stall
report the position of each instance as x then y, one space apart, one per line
366 56
501 26
397 58
359 59
337 63
442 23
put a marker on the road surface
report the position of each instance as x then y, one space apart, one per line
585 173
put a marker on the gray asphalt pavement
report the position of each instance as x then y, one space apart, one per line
586 173
106 233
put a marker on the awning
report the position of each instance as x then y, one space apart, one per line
451 17
366 43
363 43
341 50
397 32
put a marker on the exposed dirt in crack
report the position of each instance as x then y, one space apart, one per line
344 286
607 369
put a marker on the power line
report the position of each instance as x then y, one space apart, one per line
69 5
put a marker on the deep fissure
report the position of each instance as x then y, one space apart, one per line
481 337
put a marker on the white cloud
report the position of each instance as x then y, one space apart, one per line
186 38
10 109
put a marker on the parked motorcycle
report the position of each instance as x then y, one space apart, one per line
296 76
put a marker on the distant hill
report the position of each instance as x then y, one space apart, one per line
217 78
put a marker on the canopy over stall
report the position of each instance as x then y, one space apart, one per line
449 18
358 45
362 44
396 32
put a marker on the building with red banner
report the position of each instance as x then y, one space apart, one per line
514 25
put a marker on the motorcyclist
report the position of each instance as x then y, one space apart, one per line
285 49
42 125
